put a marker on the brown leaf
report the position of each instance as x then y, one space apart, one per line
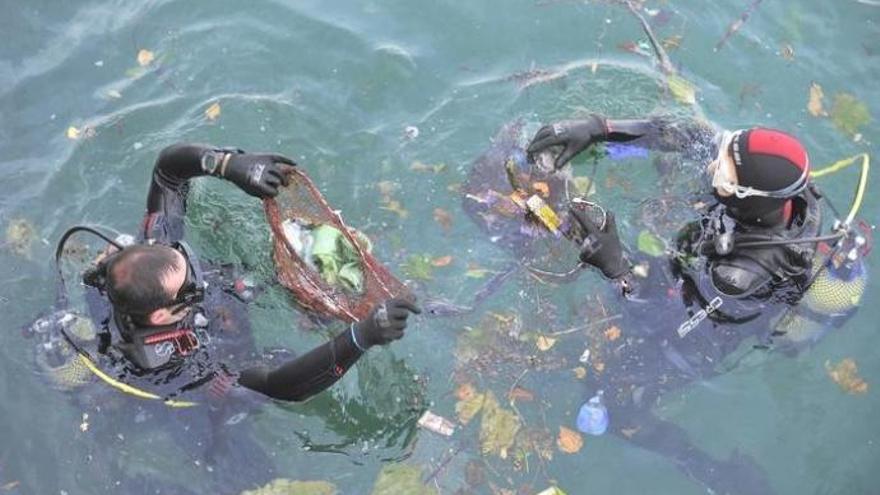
569 441
465 391
580 372
612 333
814 106
541 188
443 218
442 261
521 394
846 375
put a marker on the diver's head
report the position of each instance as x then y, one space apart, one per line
152 284
757 172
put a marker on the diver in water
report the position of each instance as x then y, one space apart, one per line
168 328
754 268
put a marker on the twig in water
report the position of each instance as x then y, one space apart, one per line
737 24
584 327
662 58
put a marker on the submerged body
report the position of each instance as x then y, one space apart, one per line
695 314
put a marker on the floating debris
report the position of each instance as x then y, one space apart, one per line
437 424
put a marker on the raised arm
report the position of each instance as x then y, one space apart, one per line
694 138
317 370
256 174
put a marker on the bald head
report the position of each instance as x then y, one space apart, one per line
142 278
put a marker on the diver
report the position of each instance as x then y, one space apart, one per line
167 321
754 268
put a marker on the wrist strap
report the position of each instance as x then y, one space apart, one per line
226 157
354 338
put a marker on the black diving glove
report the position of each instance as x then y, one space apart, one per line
601 247
258 174
574 135
386 323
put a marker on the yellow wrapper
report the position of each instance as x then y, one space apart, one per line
544 213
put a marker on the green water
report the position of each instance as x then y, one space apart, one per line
334 85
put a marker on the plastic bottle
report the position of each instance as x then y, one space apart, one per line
593 417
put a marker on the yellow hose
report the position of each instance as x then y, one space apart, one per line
128 389
863 181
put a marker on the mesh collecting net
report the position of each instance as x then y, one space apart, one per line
301 201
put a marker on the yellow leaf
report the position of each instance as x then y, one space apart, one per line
72 133
612 333
213 111
682 90
569 441
145 57
467 408
544 343
580 372
498 427
442 261
814 106
846 375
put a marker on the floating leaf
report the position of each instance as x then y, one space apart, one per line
397 479
145 57
846 375
213 111
498 428
848 113
544 343
72 133
441 261
582 186
520 394
418 166
395 206
20 234
682 90
553 490
469 406
476 272
284 487
541 188
787 52
443 218
650 244
569 441
465 391
629 432
613 333
814 106
580 372
419 267
672 42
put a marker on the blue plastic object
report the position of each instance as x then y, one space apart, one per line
593 417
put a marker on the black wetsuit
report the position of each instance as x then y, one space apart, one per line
218 335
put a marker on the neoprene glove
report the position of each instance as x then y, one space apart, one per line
385 323
573 135
258 174
601 247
